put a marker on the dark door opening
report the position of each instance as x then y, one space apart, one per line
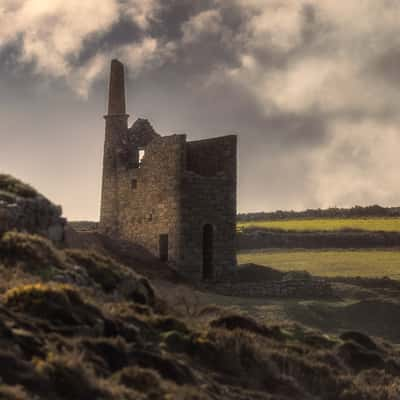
163 247
208 249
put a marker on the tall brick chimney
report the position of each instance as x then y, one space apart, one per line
116 130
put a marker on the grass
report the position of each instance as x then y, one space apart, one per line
349 263
327 224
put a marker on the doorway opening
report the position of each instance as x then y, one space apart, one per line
163 245
208 250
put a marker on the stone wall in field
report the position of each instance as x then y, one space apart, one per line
293 288
261 239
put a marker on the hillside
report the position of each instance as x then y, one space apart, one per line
77 324
23 208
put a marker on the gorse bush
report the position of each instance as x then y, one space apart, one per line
28 296
60 304
103 270
68 378
32 251
12 393
113 277
15 186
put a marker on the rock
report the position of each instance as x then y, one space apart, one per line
23 209
297 275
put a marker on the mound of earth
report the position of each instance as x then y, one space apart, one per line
24 209
255 273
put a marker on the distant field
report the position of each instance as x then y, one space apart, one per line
328 224
364 263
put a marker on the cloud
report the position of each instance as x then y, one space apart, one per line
201 26
142 12
52 33
313 56
358 165
83 77
147 54
311 86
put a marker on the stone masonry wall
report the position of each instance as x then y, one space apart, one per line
149 196
209 197
116 127
176 190
291 288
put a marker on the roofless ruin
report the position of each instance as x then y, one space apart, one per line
175 198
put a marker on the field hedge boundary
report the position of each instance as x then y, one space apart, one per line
251 239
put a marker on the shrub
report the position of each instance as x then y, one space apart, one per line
12 393
360 358
110 354
15 186
315 377
359 338
236 321
241 356
36 254
59 304
169 368
69 378
16 371
165 324
177 342
7 197
111 275
140 379
103 270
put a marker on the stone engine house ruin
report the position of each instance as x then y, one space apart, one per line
175 198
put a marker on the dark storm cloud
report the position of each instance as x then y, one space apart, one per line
310 87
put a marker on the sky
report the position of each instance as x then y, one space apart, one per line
311 88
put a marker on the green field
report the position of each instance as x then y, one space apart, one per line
327 224
364 263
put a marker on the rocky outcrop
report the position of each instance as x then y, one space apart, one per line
23 209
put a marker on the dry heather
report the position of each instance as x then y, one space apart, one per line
10 185
78 325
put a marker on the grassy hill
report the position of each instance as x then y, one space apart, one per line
75 324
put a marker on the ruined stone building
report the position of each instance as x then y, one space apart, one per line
176 198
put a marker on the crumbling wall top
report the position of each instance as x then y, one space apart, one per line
141 133
212 157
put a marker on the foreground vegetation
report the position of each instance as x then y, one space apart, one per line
78 325
10 185
326 224
329 263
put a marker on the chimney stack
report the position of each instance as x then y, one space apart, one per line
116 100
116 131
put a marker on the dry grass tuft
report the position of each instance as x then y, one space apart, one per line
60 304
33 252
